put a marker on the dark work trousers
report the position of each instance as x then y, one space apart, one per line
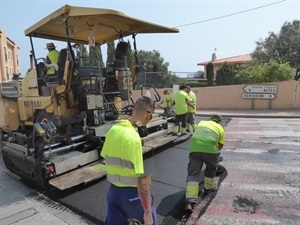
181 119
124 203
196 160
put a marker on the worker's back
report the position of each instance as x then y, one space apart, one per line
207 137
180 102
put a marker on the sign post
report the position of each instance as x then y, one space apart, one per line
259 96
261 89
260 92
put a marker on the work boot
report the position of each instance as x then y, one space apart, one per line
189 206
208 191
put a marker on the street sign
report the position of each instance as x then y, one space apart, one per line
261 89
258 96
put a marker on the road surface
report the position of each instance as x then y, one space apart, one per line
261 185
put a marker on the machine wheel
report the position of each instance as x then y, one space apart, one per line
43 116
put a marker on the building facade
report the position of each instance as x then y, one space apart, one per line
217 63
9 58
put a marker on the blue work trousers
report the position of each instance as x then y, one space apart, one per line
124 203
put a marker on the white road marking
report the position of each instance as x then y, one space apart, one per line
221 220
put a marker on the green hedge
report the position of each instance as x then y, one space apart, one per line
192 84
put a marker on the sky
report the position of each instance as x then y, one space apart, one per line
230 36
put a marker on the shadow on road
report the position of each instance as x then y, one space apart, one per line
174 215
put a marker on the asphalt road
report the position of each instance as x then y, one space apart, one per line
261 185
168 169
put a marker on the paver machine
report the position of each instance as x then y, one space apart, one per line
52 128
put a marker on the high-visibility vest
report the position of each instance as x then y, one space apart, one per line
192 98
207 137
123 154
53 56
180 102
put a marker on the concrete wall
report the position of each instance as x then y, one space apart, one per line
230 97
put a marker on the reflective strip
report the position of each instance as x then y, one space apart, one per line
115 161
117 179
209 183
207 133
188 126
175 129
192 190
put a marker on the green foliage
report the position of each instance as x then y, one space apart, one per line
282 47
130 56
226 74
191 84
111 49
176 79
95 56
210 74
83 56
199 74
265 72
91 58
153 69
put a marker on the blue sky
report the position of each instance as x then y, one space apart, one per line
231 36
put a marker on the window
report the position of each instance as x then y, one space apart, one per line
8 54
5 54
17 60
7 74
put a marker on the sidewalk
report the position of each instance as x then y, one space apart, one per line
248 113
21 205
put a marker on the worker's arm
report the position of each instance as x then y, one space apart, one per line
220 146
189 103
222 138
145 197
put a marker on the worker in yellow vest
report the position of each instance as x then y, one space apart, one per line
205 146
191 110
166 102
129 195
51 58
181 103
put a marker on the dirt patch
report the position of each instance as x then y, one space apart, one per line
244 204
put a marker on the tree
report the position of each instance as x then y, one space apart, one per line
110 53
210 74
95 56
199 74
130 56
153 69
282 47
226 74
265 72
83 55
